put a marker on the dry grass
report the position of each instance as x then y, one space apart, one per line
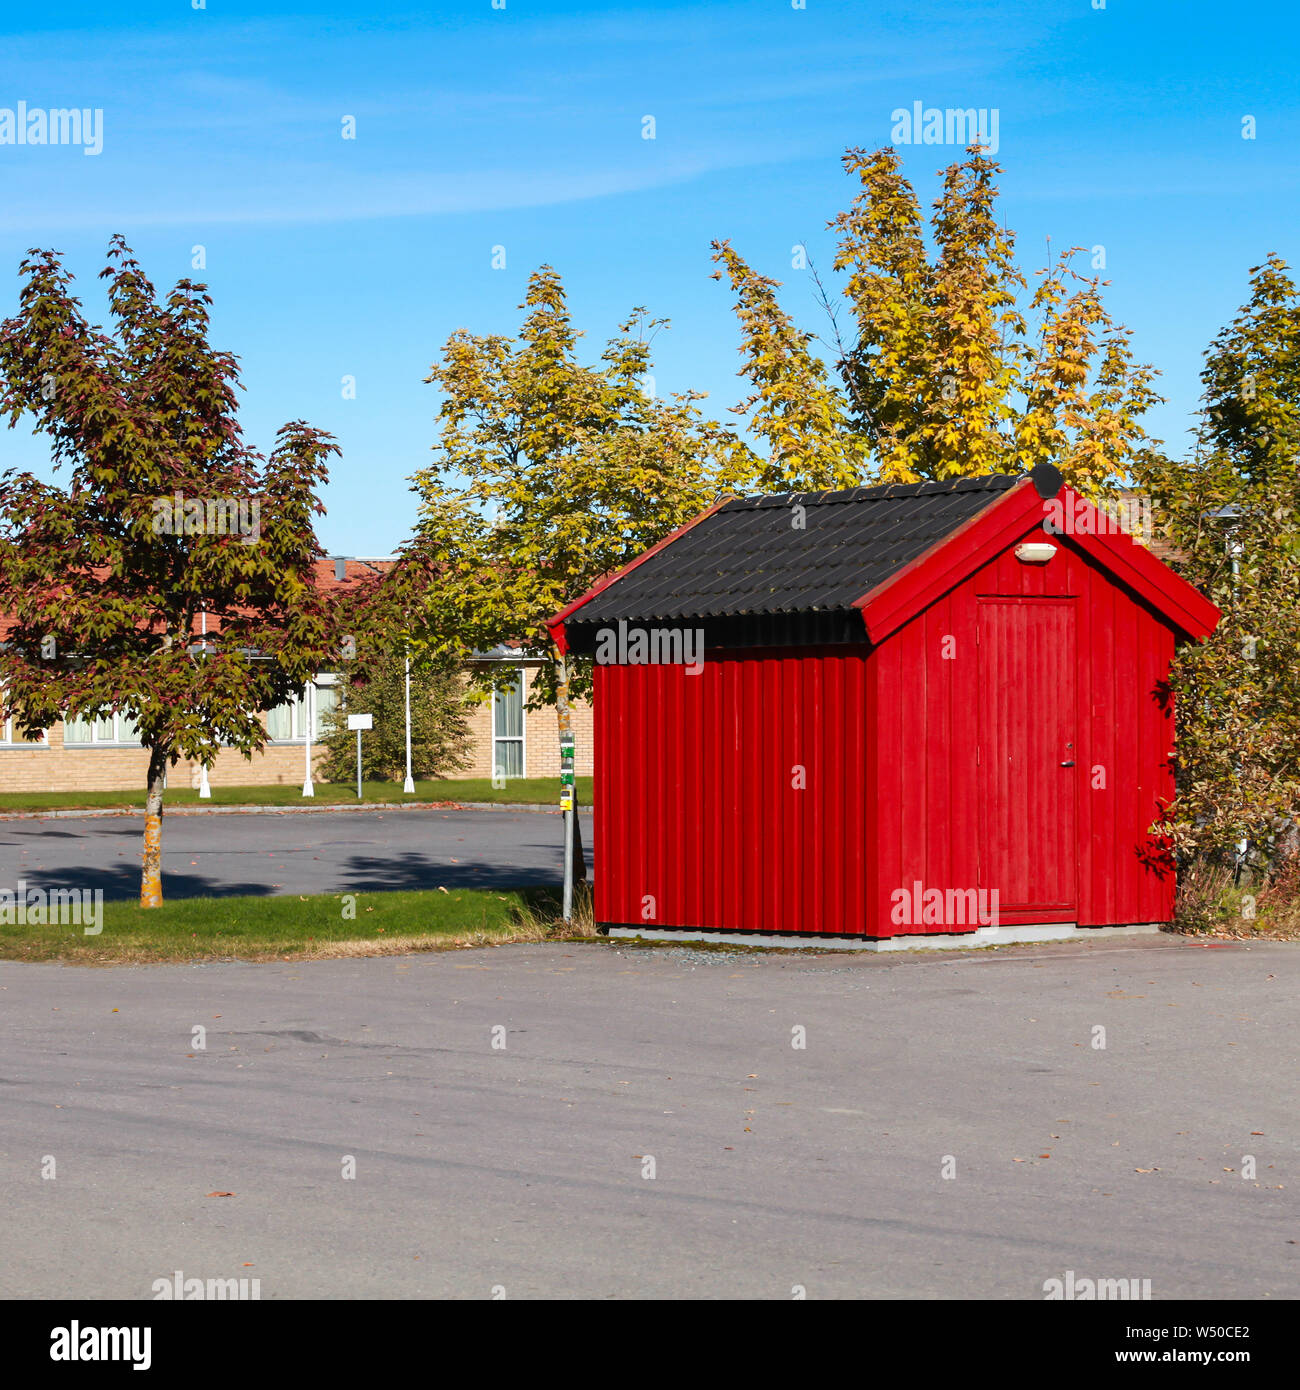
1209 903
1279 903
1200 906
329 950
317 927
402 946
543 915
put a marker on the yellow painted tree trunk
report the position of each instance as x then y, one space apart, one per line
151 860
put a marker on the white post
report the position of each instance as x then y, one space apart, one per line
408 787
205 791
309 705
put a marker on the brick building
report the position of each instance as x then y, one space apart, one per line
105 754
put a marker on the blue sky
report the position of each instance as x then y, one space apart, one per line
522 127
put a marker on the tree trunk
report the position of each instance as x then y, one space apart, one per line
564 718
151 860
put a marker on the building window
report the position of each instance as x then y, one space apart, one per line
287 723
508 729
327 699
11 736
282 722
109 729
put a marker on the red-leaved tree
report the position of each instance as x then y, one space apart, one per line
169 523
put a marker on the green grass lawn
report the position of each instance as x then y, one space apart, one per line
292 927
523 790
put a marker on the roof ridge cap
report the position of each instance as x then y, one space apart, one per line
876 492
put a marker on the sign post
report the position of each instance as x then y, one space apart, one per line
359 722
567 806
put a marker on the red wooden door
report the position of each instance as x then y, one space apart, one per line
1028 739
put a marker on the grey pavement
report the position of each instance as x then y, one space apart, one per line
285 852
525 1168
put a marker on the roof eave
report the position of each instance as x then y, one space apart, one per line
555 625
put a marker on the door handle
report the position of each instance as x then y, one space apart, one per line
1069 764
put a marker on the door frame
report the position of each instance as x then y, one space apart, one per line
1055 912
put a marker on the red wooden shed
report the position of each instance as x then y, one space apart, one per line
884 713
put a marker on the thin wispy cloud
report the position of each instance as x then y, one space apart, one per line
322 195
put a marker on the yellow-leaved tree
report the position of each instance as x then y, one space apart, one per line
948 371
549 474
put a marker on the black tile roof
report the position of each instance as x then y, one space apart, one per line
748 560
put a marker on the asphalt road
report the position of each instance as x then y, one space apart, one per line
524 1168
287 852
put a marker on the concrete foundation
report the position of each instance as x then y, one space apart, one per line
936 941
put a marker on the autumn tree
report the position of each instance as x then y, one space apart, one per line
549 473
948 365
1231 516
167 516
794 407
377 686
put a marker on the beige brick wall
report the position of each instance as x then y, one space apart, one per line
58 769
541 738
54 768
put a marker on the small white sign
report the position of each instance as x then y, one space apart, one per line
361 721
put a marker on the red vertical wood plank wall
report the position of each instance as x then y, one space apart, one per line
734 799
701 821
